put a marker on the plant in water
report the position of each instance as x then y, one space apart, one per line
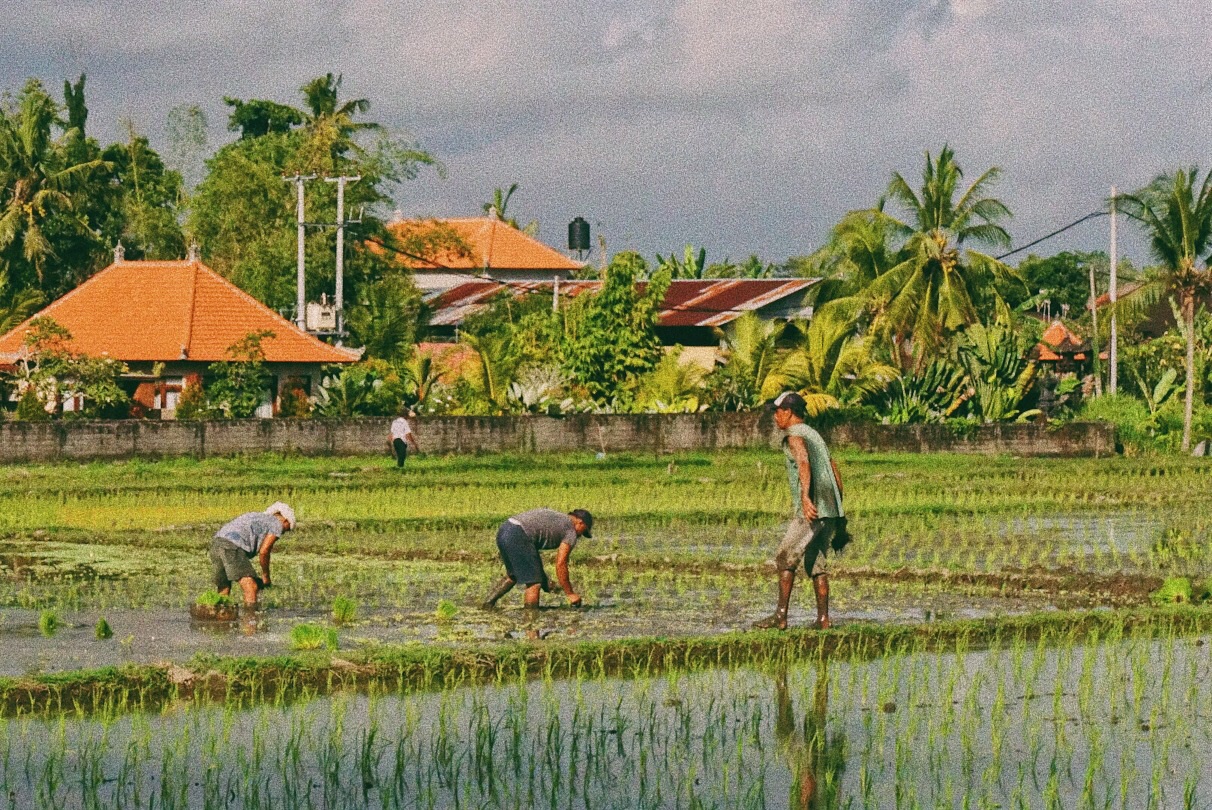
1174 589
103 630
446 610
48 623
214 599
312 637
344 610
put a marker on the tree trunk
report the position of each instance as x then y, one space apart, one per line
1189 319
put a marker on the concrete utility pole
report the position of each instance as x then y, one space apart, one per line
1112 289
300 297
339 293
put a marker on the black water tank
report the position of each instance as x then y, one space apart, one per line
578 234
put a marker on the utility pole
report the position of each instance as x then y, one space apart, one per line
1112 289
339 293
1098 374
300 298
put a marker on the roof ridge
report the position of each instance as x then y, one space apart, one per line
70 293
189 322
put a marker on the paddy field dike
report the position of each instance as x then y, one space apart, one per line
1008 633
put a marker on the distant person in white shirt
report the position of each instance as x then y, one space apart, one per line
401 437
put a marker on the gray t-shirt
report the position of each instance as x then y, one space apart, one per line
249 530
547 528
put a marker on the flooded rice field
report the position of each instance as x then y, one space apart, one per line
1047 723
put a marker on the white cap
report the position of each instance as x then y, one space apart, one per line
279 508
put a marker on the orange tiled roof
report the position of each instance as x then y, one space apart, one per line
494 245
172 310
1056 341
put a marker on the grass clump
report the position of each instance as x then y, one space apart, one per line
1173 591
446 610
344 610
48 623
214 599
312 637
103 630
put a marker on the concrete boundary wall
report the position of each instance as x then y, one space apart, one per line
83 441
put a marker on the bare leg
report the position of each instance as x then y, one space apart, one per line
778 619
531 599
820 584
249 586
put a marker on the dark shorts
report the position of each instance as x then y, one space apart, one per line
228 563
400 448
521 558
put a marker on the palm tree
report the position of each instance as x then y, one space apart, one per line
1177 212
751 346
37 180
831 367
937 286
692 264
499 205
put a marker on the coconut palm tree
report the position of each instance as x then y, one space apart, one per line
751 346
938 286
1176 210
37 180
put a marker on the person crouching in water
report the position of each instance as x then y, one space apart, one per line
519 541
818 521
250 535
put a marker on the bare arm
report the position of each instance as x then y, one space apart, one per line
562 555
411 439
267 546
799 452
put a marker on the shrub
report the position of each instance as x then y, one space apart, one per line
192 403
312 637
30 407
103 630
1133 423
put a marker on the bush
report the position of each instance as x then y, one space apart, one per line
30 407
192 402
1134 426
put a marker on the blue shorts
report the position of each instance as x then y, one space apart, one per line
521 557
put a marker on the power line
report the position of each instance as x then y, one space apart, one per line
1057 232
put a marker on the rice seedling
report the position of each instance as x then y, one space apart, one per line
312 637
49 623
102 630
344 610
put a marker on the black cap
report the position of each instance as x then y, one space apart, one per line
586 518
792 401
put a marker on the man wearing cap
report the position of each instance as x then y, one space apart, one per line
234 546
519 541
816 498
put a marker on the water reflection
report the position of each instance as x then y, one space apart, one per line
815 757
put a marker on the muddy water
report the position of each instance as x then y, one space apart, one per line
1117 724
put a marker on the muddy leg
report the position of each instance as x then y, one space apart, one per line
778 619
502 587
820 584
531 599
249 586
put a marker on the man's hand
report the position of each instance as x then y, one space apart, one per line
810 510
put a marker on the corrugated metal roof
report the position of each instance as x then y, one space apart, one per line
689 302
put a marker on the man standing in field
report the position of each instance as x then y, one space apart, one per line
816 498
519 541
401 437
250 535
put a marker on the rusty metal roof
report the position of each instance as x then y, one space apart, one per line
689 302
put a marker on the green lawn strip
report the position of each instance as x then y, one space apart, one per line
429 667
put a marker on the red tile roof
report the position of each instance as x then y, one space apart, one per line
494 245
1056 341
689 302
172 310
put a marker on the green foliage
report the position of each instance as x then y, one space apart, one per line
387 320
751 348
693 264
1173 590
292 403
30 407
237 387
612 340
999 376
214 599
674 386
309 636
49 623
1062 280
1134 426
930 395
373 388
192 402
344 610
102 630
51 371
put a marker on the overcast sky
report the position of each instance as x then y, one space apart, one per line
740 127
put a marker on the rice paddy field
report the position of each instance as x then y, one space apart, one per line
996 643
